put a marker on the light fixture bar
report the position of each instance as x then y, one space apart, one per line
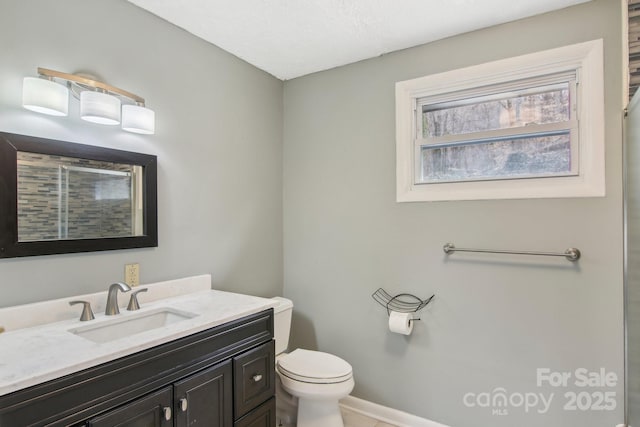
89 82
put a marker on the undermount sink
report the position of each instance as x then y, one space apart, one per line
126 325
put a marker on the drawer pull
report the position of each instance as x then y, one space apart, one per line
183 404
257 378
167 413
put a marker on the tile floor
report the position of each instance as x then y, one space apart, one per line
355 419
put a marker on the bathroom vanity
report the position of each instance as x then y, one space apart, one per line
206 371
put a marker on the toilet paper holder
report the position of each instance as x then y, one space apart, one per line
402 303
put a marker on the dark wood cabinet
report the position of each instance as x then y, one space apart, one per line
223 376
154 410
205 399
263 416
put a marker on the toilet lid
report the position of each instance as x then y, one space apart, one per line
314 367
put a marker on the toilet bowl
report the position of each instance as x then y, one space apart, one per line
318 380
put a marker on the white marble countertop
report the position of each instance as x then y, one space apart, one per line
35 354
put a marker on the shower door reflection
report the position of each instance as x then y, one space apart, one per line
632 262
65 198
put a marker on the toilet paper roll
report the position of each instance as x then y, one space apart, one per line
401 323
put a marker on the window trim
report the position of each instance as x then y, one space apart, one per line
585 59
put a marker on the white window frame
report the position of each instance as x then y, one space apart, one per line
585 59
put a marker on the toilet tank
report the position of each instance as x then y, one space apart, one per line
282 323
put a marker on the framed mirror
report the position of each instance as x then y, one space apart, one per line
60 197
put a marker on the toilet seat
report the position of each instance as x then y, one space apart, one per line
314 367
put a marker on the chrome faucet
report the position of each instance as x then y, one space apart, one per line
112 298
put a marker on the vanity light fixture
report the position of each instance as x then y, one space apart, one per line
99 102
45 96
138 119
99 107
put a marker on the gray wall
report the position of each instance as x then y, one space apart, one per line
218 141
495 319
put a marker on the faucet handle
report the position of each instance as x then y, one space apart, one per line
87 313
133 301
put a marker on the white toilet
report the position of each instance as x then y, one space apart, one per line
318 380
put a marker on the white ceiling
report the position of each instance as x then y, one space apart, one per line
291 38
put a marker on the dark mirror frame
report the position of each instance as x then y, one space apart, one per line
10 247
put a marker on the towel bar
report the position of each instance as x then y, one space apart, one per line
572 254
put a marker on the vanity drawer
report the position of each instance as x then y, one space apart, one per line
254 378
263 416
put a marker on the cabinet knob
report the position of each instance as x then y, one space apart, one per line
167 413
183 404
257 378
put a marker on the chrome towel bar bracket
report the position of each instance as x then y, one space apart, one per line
572 254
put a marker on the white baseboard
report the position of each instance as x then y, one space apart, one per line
385 414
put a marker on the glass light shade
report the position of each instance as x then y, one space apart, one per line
45 96
138 119
98 107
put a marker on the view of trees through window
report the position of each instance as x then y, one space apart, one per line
501 136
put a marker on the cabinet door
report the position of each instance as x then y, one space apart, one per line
153 410
205 399
263 416
254 378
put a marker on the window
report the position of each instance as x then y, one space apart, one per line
523 127
501 133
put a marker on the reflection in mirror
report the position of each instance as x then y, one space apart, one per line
66 198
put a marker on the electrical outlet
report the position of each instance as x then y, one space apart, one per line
132 274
